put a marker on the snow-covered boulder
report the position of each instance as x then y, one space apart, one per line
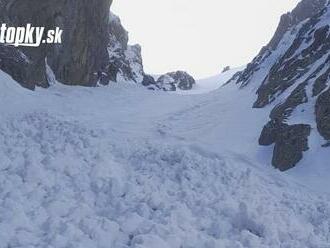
173 81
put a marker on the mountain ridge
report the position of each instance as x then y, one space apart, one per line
291 72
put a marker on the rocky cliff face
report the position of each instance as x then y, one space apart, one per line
94 50
82 52
125 61
126 64
292 74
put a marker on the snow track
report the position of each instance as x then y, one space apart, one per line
123 169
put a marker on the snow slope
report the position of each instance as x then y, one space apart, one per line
210 84
121 166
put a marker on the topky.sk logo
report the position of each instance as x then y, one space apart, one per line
29 36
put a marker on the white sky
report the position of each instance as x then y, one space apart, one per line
199 36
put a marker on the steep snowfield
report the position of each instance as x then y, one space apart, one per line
210 84
121 166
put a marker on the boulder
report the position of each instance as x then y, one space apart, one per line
227 68
148 80
173 81
290 144
270 132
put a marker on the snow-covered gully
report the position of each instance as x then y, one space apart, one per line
108 167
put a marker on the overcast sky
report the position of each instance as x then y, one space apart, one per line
199 36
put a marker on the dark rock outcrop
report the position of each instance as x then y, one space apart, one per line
322 112
94 47
227 68
290 143
304 10
83 51
176 80
321 82
150 82
294 66
269 134
16 64
125 62
283 111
